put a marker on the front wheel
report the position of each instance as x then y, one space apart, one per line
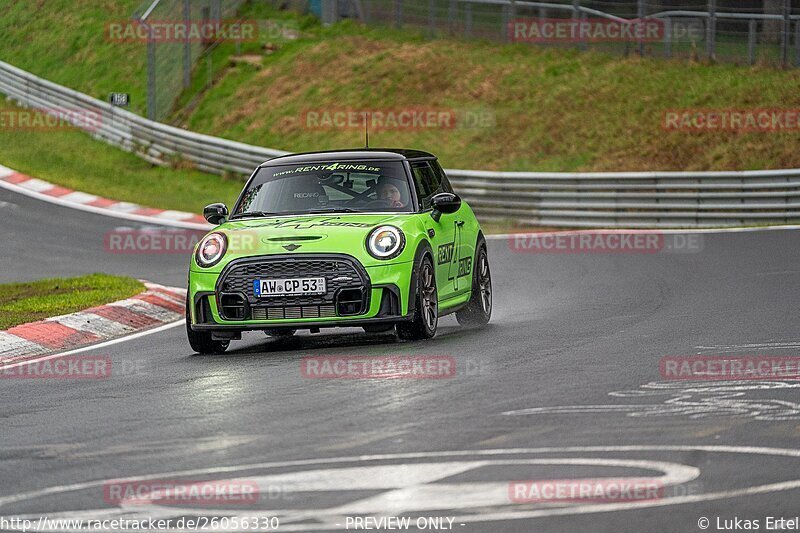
426 312
201 341
479 309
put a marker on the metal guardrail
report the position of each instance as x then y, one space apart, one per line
585 199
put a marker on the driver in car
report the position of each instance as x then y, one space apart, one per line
388 191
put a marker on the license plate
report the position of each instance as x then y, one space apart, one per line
287 287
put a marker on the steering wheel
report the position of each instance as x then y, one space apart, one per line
377 203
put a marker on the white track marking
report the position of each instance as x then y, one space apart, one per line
751 346
36 185
10 343
691 399
92 323
161 314
124 207
177 290
412 488
79 197
688 472
97 346
6 172
173 215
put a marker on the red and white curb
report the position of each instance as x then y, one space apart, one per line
43 190
157 306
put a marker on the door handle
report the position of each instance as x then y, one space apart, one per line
460 223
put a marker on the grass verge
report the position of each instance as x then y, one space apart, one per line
21 303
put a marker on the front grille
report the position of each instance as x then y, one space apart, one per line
344 277
279 313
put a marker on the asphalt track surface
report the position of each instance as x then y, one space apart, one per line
564 383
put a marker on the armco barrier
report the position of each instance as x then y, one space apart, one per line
590 199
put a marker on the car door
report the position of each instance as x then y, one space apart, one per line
466 235
443 233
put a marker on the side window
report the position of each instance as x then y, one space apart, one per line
445 183
426 182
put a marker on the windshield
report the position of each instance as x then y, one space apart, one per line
344 187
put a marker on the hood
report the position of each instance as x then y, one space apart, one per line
314 224
340 233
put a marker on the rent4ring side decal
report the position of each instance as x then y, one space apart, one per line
448 253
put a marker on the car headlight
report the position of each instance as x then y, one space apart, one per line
385 242
211 249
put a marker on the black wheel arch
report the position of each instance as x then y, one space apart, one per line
423 248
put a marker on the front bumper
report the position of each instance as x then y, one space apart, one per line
356 295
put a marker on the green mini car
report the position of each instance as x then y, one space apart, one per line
372 238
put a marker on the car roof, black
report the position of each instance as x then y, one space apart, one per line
359 154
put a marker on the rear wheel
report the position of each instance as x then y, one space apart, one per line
479 309
201 341
426 312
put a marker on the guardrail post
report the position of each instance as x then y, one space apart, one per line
468 19
711 30
751 42
431 19
151 75
785 32
578 18
187 46
505 19
398 13
584 17
640 17
512 15
668 37
797 44
216 10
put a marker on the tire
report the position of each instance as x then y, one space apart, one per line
201 341
478 310
426 312
280 333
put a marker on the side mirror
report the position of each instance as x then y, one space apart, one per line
445 202
215 213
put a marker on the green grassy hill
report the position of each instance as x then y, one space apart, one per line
550 110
